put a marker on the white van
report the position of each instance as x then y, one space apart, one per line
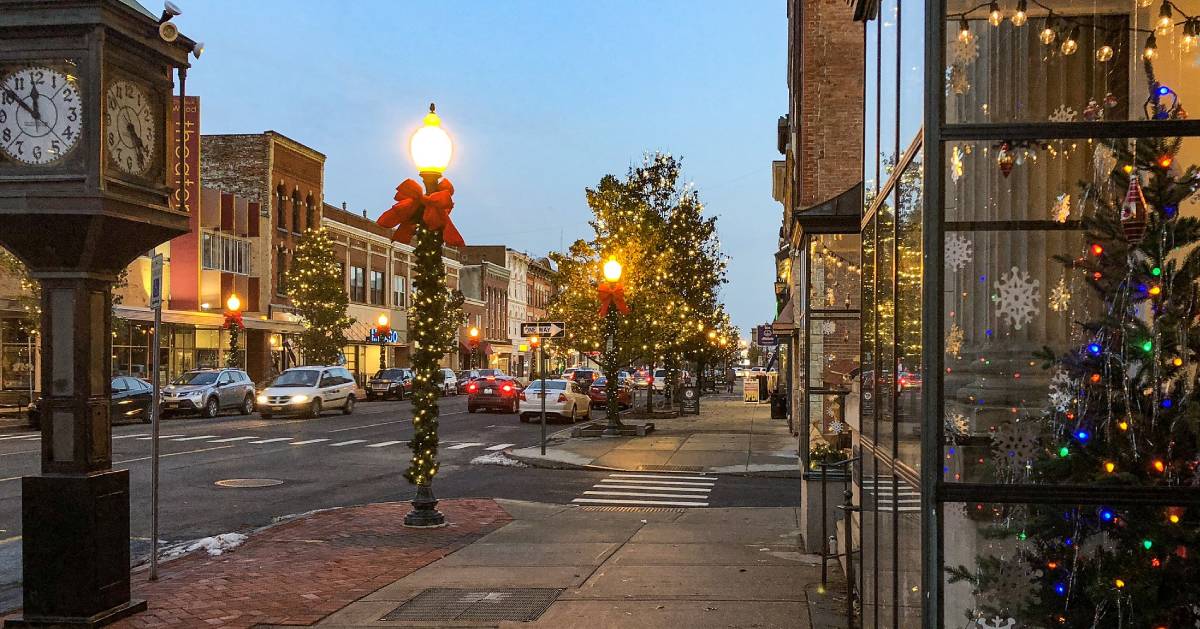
308 391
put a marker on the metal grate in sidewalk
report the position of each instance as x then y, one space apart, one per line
493 604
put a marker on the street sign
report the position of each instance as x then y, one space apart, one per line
544 329
156 273
766 335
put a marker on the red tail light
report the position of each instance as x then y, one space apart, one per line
471 388
522 396
506 388
562 397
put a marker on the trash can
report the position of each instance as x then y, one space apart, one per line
763 389
778 405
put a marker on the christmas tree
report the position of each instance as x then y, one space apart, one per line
317 290
1124 414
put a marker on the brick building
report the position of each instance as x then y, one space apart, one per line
530 282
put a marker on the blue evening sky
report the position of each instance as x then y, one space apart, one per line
542 99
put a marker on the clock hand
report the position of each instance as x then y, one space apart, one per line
20 101
33 98
137 141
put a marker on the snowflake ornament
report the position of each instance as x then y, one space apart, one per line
958 252
996 623
957 424
958 81
1016 443
1062 208
837 427
1060 296
1016 297
954 340
1013 588
964 52
1062 391
828 327
956 164
1064 114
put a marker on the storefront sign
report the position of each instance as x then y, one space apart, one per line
765 335
391 337
690 402
750 390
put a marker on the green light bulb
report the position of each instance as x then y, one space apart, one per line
1147 544
1147 346
1156 271
1063 451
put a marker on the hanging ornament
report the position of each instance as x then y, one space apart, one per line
1134 211
1060 297
956 164
1063 114
954 340
1016 297
1062 208
959 251
1005 159
1104 160
959 83
1093 111
964 52
1110 100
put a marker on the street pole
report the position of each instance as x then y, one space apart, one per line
542 373
154 433
612 404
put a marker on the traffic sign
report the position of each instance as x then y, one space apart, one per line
156 273
544 329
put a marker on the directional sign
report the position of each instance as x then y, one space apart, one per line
156 276
544 329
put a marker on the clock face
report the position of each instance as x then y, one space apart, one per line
129 127
40 115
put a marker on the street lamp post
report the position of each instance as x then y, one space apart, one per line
611 300
233 321
382 331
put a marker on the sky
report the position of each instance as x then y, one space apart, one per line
542 99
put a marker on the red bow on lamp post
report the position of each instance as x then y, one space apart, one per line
234 319
612 294
410 198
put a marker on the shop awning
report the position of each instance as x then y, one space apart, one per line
484 348
840 215
785 323
205 319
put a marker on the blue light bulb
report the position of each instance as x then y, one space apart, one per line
1095 349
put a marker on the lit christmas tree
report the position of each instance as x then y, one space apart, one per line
317 290
1124 413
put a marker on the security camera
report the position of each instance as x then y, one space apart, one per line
168 31
170 10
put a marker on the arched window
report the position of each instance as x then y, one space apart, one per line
281 272
296 211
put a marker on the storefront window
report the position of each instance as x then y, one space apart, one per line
17 355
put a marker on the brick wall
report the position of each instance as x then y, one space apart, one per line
237 164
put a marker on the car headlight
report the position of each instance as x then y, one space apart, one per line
298 399
262 399
196 394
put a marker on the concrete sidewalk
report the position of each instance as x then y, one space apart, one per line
594 567
729 436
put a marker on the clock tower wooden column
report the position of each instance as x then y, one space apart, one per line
85 88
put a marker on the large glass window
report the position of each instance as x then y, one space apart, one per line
377 288
398 291
358 284
221 252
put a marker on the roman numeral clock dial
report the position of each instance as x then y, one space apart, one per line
129 127
40 115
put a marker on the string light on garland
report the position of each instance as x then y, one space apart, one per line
1165 19
1048 35
1021 16
995 17
1071 43
1150 52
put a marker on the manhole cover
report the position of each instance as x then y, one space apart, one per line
248 482
493 604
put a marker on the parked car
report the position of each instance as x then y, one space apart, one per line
585 377
308 391
209 391
564 398
465 377
598 393
499 393
393 382
660 378
449 382
131 399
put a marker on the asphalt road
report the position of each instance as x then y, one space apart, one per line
335 460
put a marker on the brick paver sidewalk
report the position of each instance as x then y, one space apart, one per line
301 571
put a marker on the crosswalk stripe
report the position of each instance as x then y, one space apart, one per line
679 483
275 440
639 494
346 443
304 443
199 437
501 446
659 503
703 490
383 444
464 445
227 439
160 437
130 436
25 436
661 476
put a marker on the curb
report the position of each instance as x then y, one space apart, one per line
563 465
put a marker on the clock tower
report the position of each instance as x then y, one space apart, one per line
85 89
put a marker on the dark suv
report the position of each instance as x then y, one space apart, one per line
393 382
209 391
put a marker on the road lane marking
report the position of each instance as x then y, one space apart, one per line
232 439
160 437
196 438
131 436
346 443
464 445
383 444
24 436
655 488
659 503
21 452
661 477
163 456
656 482
276 439
501 446
302 443
398 421
639 494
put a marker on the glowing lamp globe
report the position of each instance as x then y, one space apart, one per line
233 304
430 147
612 270
382 321
474 332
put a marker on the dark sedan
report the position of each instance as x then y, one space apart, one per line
131 402
499 393
598 393
387 383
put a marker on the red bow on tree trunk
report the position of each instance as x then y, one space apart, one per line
410 198
612 294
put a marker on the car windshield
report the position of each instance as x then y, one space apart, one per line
551 385
389 374
297 378
490 372
660 373
196 378
599 382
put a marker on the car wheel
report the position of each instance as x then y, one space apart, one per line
515 407
211 408
587 415
248 405
571 415
314 409
348 407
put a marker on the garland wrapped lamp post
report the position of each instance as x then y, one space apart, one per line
422 217
382 332
473 333
233 322
612 299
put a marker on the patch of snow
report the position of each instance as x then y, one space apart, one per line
496 458
214 546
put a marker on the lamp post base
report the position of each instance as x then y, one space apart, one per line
424 514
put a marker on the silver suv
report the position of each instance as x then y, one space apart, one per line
209 391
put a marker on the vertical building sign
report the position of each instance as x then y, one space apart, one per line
184 293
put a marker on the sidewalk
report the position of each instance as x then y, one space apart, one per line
728 436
